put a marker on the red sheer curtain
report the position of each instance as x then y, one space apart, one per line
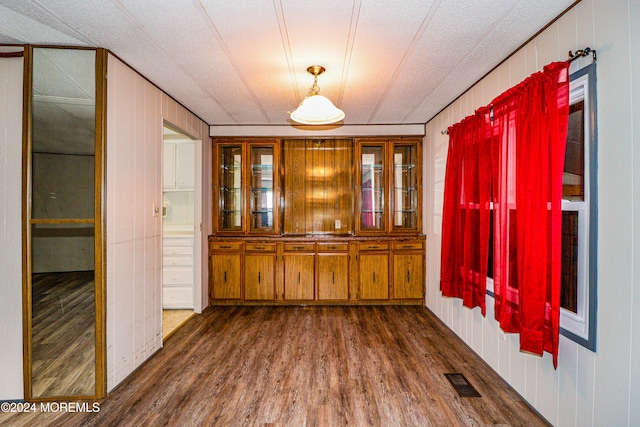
516 159
466 210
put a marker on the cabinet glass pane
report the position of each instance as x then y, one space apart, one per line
372 188
405 180
261 191
230 179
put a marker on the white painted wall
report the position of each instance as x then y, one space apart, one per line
588 388
135 113
11 383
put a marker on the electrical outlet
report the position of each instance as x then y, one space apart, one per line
338 224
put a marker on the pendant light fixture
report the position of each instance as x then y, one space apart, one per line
316 109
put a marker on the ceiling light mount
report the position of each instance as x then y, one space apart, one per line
316 109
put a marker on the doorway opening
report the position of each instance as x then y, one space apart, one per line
179 221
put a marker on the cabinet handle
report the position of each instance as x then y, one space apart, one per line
225 277
258 277
333 277
298 248
408 276
374 277
298 277
374 247
259 248
225 247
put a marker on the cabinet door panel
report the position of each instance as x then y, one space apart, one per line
259 277
169 165
230 187
333 277
184 165
407 276
406 187
298 277
225 276
374 276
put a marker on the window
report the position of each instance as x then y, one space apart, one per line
579 217
579 213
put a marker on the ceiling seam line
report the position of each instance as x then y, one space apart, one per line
286 46
348 54
73 30
421 30
478 41
216 34
141 27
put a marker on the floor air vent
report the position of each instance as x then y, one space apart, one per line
462 386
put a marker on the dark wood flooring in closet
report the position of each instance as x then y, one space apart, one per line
308 366
63 334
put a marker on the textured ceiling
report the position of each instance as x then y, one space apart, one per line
243 62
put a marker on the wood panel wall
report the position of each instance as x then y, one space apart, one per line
318 186
135 113
11 385
588 388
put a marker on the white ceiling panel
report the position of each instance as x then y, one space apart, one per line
244 62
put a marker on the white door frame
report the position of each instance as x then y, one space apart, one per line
198 303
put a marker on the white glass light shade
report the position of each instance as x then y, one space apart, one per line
317 110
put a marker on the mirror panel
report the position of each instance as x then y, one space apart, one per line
62 237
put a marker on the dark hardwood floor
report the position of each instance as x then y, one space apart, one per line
63 334
307 366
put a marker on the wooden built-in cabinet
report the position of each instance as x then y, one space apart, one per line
317 221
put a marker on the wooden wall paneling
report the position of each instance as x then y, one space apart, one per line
136 110
579 392
315 186
618 199
345 186
634 395
330 171
140 200
11 361
295 205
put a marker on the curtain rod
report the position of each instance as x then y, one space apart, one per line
582 53
572 57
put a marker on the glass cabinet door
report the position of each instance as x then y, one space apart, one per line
372 188
261 187
230 187
405 187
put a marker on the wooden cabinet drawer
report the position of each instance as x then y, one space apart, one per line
373 246
418 245
331 247
260 247
225 246
306 247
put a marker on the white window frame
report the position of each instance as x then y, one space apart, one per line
581 326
